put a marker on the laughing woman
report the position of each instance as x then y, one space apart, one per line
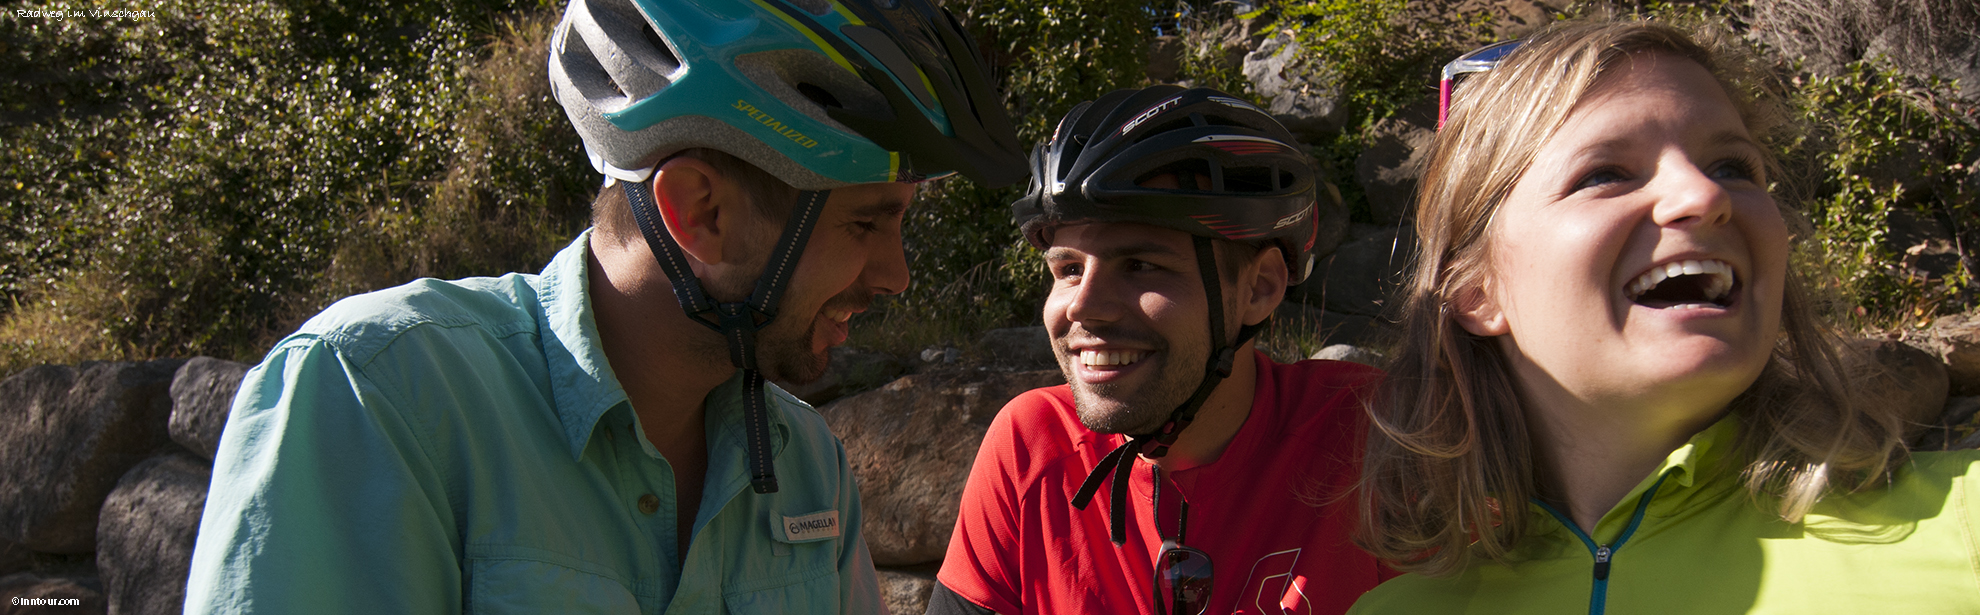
1612 395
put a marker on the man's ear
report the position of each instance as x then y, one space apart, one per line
702 210
1476 311
1263 286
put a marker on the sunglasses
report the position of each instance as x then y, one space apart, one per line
1476 61
1182 574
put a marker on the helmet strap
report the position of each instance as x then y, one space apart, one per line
1156 444
738 321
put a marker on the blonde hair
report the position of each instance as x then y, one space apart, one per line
1449 465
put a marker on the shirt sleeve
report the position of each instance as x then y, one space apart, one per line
984 559
323 500
859 583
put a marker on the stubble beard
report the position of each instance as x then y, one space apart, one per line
1134 409
783 350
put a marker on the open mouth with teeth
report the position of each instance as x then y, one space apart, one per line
1109 358
1684 285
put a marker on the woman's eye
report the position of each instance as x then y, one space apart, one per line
1599 177
1736 169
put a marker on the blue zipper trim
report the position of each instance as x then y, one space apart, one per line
1598 597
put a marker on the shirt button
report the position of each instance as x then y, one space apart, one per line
649 504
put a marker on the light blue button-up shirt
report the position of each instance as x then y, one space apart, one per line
463 446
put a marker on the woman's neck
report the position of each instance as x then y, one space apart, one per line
1591 453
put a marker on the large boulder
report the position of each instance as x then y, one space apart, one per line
1907 378
202 393
14 557
1019 348
32 593
911 443
69 433
851 370
1921 37
1306 98
1955 340
145 536
1361 277
1389 168
906 590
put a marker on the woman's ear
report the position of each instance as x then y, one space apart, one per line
1476 311
700 208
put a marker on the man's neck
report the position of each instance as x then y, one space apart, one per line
1220 418
654 348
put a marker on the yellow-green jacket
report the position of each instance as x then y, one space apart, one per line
1690 540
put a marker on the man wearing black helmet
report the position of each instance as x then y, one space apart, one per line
599 438
1179 471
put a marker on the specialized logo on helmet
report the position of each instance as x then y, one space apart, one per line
1242 145
765 119
1151 112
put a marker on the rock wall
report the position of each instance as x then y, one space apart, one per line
105 474
107 464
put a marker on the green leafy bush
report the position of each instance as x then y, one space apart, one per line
1879 143
233 166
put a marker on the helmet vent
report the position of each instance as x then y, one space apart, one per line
1189 173
659 46
587 74
1163 128
819 95
1261 180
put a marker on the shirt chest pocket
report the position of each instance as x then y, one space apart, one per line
801 574
500 586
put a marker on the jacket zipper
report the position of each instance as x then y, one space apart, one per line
1598 596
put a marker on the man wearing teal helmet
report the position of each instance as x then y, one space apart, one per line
599 437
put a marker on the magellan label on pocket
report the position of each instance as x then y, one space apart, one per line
815 526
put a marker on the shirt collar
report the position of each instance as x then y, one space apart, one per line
1686 474
582 384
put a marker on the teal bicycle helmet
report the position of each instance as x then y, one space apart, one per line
820 93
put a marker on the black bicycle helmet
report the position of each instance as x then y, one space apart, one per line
1262 190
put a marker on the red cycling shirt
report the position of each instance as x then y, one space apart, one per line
1274 512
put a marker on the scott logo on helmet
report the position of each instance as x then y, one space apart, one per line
765 119
1292 219
1151 112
